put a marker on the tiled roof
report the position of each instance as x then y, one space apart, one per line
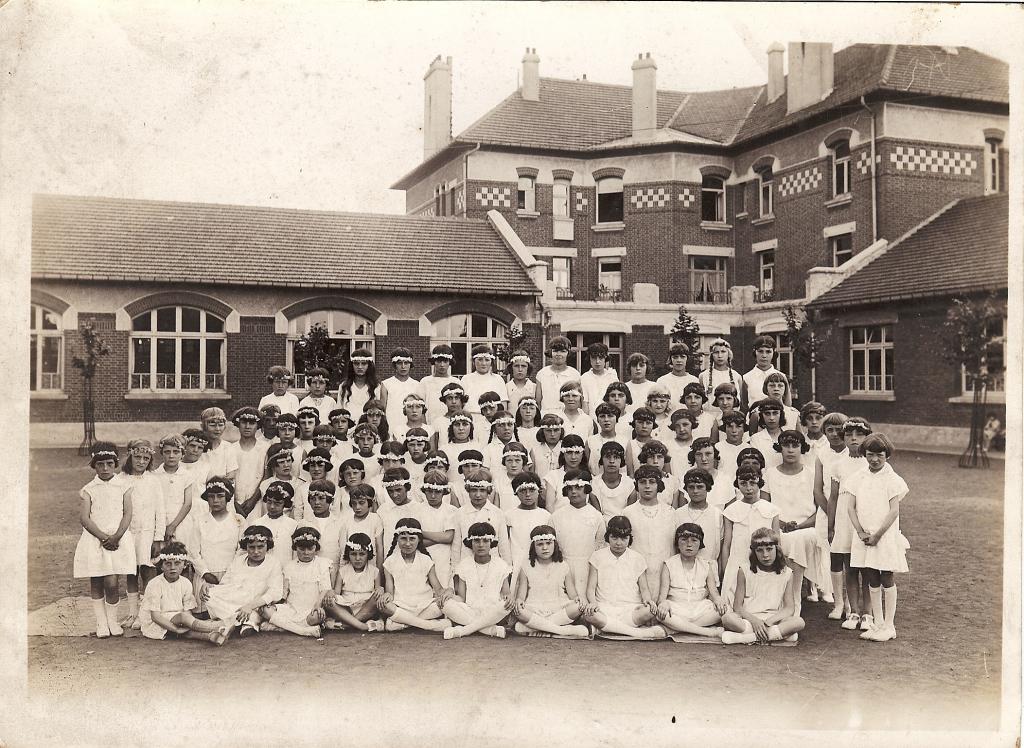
136 240
964 249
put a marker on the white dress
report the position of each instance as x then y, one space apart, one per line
305 585
106 511
217 545
727 458
873 492
580 532
515 393
546 592
223 459
281 528
842 470
520 524
675 386
483 581
432 387
412 590
688 588
618 591
391 513
639 391
582 425
250 471
794 497
613 500
477 384
174 487
440 519
397 392
764 591
324 405
354 403
164 597
745 519
356 586
148 514
711 378
709 520
288 402
242 584
551 382
654 530
544 457
763 443
330 529
594 387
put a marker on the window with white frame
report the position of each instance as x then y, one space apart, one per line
609 273
708 280
560 198
346 331
561 269
712 199
783 355
995 360
609 200
178 349
767 277
462 332
47 350
841 168
526 194
765 178
840 248
871 359
582 340
992 165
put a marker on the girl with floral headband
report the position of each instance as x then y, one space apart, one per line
254 579
396 388
177 484
437 517
482 378
575 420
168 603
503 432
217 534
330 524
462 433
688 599
441 358
412 594
316 466
106 548
520 367
514 460
413 416
357 589
490 404
280 379
360 384
547 451
417 444
252 453
482 597
454 398
196 444
396 482
469 460
619 395
375 415
479 508
527 419
367 448
317 381
579 526
307 585
720 371
148 520
546 598
677 376
571 456
523 518
278 499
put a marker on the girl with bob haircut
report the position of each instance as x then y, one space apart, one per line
482 597
520 368
618 395
763 608
357 588
740 520
546 600
307 583
546 454
688 599
637 367
168 603
148 521
412 594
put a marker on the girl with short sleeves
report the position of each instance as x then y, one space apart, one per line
527 419
571 456
251 454
412 595
357 589
551 378
217 535
254 579
573 418
769 422
844 474
546 599
502 433
438 523
653 523
619 396
106 547
579 526
688 599
222 456
638 366
169 600
694 399
763 607
148 521
545 455
519 383
825 461
482 597
482 379
523 519
398 387
307 582
612 488
879 547
176 481
741 519
697 484
441 357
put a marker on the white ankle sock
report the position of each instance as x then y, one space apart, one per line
890 606
102 629
110 610
133 603
876 604
838 588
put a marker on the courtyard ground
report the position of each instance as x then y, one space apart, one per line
942 673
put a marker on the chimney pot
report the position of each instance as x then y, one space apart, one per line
437 106
645 97
531 75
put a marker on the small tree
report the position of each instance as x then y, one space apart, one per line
515 338
94 348
807 346
316 349
686 330
967 342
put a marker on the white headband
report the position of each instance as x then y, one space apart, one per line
357 547
470 461
218 484
527 400
479 484
483 355
257 537
320 495
172 557
408 531
437 461
399 359
315 460
520 360
453 391
543 536
141 451
491 538
389 456
306 536
503 419
435 487
527 484
441 355
394 483
104 453
460 417
414 400
576 482
368 359
573 449
417 438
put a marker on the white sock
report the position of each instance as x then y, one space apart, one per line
133 603
731 637
102 629
876 604
838 588
774 633
890 606
110 610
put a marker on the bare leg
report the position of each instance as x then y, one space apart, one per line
703 626
408 619
611 625
343 615
557 624
473 620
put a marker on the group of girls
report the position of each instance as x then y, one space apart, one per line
312 521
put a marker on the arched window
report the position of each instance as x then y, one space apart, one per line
765 178
712 199
47 349
462 332
609 200
346 331
993 142
178 349
840 168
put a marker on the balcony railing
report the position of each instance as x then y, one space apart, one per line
610 294
762 297
710 297
564 293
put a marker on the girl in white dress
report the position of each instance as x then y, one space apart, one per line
824 463
441 357
148 521
655 454
217 535
573 418
551 378
725 399
653 523
502 433
221 457
688 599
357 589
527 419
482 587
579 526
524 518
360 384
438 523
177 483
697 484
620 396
721 370
658 402
612 488
169 600
253 579
734 426
638 366
776 387
545 455
106 547
482 379
412 595
251 454
546 599
763 608
741 519
330 524
513 461
571 456
607 417
840 528
520 385
769 422
705 456
307 583
618 600
879 547
694 399
396 390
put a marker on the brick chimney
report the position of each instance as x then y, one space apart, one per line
531 76
776 78
811 74
645 97
437 106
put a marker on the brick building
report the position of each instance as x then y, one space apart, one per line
735 203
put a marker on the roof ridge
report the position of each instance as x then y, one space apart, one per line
890 58
686 99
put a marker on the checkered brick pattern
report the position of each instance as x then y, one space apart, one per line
686 197
581 201
934 160
864 161
495 197
428 212
800 181
460 200
650 197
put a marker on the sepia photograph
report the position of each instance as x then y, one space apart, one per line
562 373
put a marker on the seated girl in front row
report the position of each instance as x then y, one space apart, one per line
482 598
168 603
688 600
357 588
546 598
412 595
307 581
618 598
253 579
763 609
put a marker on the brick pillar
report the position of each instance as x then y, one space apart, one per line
650 340
402 333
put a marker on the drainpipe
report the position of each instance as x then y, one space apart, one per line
465 176
874 176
